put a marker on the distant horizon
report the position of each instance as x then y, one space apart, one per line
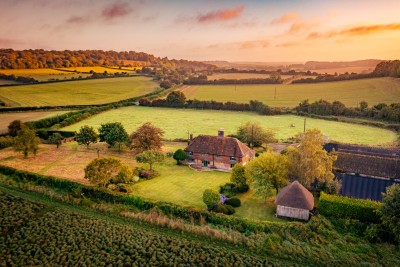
224 30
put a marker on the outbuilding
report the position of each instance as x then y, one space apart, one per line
294 201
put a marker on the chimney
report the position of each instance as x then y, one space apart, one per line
221 133
191 137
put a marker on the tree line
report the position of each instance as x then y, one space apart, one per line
379 111
177 99
39 58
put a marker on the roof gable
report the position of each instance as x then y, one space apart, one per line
223 146
295 195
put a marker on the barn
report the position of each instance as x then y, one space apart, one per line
294 201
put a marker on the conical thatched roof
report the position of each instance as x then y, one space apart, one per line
295 196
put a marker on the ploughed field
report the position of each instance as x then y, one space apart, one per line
178 122
351 93
6 118
83 92
43 75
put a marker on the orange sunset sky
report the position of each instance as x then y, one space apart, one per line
290 31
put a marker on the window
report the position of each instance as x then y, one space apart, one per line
205 155
205 163
190 153
232 165
232 158
218 156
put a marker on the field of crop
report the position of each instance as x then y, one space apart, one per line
44 74
6 118
97 69
344 70
8 82
241 76
33 234
96 91
177 122
377 90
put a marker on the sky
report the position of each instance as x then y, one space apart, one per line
241 31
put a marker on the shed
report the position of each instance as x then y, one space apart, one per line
294 201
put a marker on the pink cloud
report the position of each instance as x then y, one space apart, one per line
254 44
116 10
356 31
221 15
300 26
78 20
285 18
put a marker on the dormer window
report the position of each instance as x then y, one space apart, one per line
233 158
190 153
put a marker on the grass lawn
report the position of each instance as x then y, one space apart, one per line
180 184
256 207
177 122
84 92
6 118
377 90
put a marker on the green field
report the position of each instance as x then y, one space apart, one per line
85 92
43 75
6 118
377 90
177 122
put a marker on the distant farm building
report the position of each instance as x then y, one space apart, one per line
217 152
365 172
294 201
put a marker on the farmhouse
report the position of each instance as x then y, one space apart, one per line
218 152
294 201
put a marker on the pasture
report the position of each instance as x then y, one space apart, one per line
351 93
6 118
178 122
83 92
43 75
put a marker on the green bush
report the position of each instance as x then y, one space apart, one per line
6 141
234 202
345 207
230 209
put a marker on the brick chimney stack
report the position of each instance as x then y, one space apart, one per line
221 133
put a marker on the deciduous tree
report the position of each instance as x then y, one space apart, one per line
56 138
310 162
238 175
101 171
14 127
150 157
390 210
266 172
86 135
254 135
147 137
179 155
176 99
114 134
26 141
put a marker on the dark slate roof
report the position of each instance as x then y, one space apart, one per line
223 146
364 187
295 196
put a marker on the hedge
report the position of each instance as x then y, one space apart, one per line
346 207
94 193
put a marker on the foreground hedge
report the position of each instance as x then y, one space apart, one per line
94 193
346 207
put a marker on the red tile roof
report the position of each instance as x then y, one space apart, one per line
222 146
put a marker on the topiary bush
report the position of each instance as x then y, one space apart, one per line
234 202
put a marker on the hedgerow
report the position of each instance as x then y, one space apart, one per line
352 208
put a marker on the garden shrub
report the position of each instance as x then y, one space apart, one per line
234 202
345 207
230 189
230 209
148 174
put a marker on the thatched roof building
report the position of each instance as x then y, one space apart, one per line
294 201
